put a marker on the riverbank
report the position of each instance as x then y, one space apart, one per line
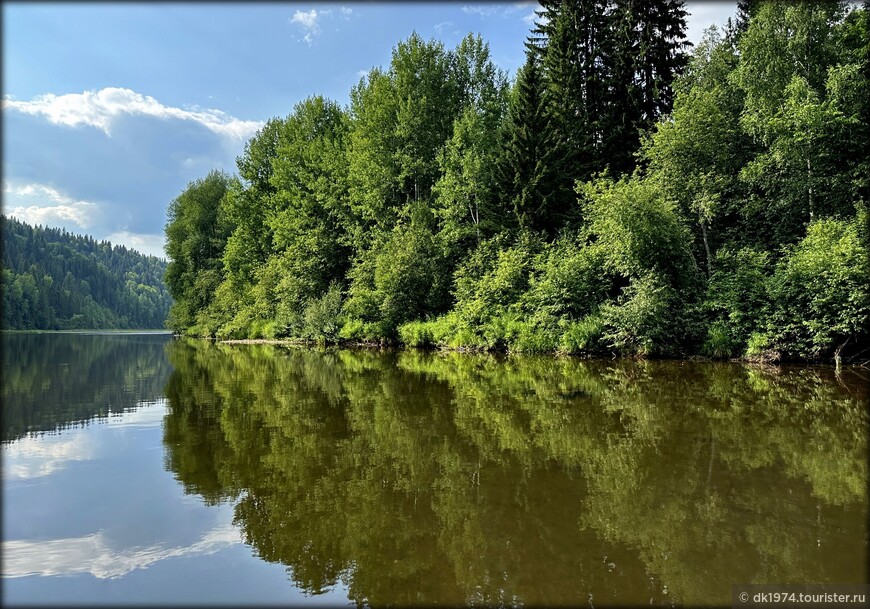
767 358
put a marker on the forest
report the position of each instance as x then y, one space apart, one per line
55 280
625 194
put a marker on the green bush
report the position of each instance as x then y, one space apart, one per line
820 291
322 316
639 230
759 348
570 279
417 334
645 319
721 342
584 336
736 299
492 279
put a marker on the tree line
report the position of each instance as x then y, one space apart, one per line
56 280
621 195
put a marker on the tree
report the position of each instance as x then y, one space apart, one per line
467 192
195 242
645 52
799 107
528 168
696 154
572 38
48 274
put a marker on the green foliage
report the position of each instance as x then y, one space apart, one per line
639 230
322 317
417 334
528 167
466 192
820 292
54 280
195 242
570 279
492 279
584 336
645 320
617 197
737 298
798 106
400 278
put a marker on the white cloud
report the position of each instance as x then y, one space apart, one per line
65 208
93 554
307 19
147 244
440 27
480 10
489 10
38 456
100 108
35 456
310 20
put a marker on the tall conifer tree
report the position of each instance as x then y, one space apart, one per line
571 35
644 53
528 165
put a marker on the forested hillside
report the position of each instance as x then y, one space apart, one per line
624 194
54 280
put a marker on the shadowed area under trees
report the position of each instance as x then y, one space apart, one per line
624 194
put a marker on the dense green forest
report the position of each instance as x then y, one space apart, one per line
55 280
624 194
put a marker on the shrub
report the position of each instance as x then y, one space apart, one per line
584 336
759 348
820 292
417 334
721 341
639 230
570 279
322 316
645 320
736 299
491 280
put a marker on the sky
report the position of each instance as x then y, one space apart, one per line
110 110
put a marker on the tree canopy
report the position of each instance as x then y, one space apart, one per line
622 194
55 280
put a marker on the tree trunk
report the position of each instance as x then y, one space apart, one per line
810 186
703 225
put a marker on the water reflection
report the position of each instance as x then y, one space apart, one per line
54 381
418 478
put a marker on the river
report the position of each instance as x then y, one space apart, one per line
146 469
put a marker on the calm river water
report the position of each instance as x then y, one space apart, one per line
145 469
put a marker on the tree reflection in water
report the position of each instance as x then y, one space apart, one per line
421 478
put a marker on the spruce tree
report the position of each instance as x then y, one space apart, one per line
644 52
571 34
528 167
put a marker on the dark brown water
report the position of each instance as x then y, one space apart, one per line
260 474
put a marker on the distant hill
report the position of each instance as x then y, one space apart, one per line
55 280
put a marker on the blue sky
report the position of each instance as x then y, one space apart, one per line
110 110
